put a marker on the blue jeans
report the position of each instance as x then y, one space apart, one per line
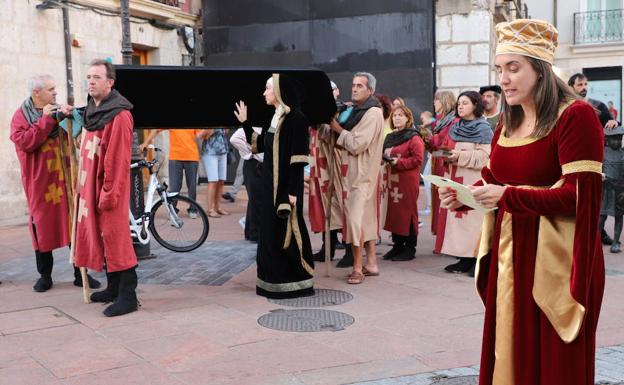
216 167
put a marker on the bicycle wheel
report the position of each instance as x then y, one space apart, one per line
173 226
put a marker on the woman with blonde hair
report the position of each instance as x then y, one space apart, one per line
540 269
444 104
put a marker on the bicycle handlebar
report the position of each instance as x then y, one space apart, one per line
143 163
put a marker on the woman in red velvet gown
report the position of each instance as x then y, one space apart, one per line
540 270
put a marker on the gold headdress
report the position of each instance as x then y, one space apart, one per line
527 37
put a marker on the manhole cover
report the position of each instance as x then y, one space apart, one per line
306 320
463 380
321 297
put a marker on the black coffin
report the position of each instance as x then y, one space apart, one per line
198 97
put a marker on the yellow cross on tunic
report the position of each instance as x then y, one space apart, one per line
54 194
54 164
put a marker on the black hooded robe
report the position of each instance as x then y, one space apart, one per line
284 256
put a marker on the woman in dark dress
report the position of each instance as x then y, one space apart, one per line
285 265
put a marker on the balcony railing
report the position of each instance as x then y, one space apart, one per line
173 3
599 26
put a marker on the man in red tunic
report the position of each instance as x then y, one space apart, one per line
102 231
37 138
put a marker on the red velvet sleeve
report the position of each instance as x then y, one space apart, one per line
29 137
579 138
116 160
416 151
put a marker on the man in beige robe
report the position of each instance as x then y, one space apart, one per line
361 136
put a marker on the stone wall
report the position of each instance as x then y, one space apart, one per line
464 45
31 42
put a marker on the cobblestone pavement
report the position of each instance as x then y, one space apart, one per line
214 263
609 371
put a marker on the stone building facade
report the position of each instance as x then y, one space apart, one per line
466 41
591 41
32 42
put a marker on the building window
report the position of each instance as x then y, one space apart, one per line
601 21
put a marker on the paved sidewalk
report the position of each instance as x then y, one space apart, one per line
414 324
609 371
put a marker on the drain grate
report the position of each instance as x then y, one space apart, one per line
306 320
321 297
462 380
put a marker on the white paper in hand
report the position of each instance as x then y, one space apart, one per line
464 195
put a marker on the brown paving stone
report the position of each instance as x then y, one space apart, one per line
32 319
365 341
140 374
139 331
265 359
177 353
47 338
11 354
371 370
452 358
27 373
235 331
205 314
22 298
91 315
81 356
172 298
275 379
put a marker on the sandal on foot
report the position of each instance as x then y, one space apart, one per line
223 212
355 278
369 273
213 214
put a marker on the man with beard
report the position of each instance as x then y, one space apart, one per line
361 137
579 84
490 95
38 140
102 231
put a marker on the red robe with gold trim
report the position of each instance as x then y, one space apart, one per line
403 186
525 345
103 231
43 178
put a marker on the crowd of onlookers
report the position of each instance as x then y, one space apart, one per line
453 141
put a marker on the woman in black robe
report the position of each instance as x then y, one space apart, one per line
284 259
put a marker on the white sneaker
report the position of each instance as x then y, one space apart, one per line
241 222
420 224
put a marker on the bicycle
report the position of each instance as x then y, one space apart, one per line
163 219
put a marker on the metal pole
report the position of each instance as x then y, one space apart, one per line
126 41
